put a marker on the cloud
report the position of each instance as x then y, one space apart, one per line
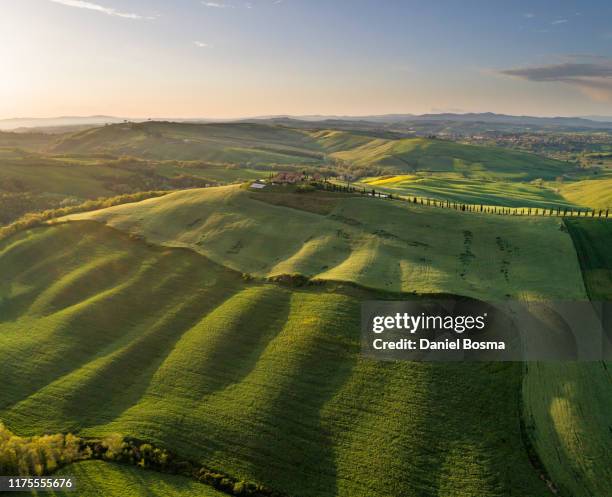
559 21
80 4
529 15
217 5
201 44
563 72
590 74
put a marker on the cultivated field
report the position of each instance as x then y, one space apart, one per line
596 193
222 323
568 405
593 241
39 171
375 243
458 188
97 478
567 414
414 154
259 380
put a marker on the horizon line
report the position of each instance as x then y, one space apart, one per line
297 116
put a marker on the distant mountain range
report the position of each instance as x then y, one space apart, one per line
485 117
39 122
499 122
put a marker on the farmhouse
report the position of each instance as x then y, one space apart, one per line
288 178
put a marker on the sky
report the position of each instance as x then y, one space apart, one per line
237 58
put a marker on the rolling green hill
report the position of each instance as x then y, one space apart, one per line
265 144
421 154
375 243
265 380
567 412
593 241
572 439
262 381
595 193
457 188
231 142
31 182
234 142
26 141
409 248
39 171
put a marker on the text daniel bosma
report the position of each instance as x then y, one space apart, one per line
412 323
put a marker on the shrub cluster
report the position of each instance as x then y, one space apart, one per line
292 280
134 452
26 456
305 189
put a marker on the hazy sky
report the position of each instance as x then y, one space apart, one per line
233 58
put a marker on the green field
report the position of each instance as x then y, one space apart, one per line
248 143
233 143
97 478
595 193
256 379
180 320
40 171
210 172
593 241
369 237
376 243
25 141
422 154
567 411
31 182
458 188
568 405
66 179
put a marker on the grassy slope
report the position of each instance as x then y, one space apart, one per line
236 142
593 240
570 403
595 193
34 182
210 172
412 154
182 141
26 141
335 140
566 404
457 188
376 243
105 334
97 478
52 177
259 143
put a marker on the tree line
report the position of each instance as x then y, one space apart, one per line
465 207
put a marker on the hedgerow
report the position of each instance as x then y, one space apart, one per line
34 219
43 455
